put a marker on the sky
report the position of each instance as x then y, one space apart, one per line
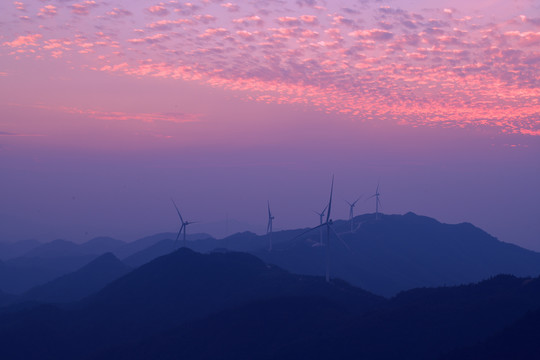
110 109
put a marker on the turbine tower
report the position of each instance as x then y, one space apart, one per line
351 212
321 215
377 201
183 227
269 227
329 228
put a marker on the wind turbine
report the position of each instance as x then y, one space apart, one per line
183 227
377 201
269 227
351 211
329 227
321 215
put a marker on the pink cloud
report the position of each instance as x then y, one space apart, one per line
168 24
205 19
309 19
231 7
19 6
28 40
128 116
249 20
214 32
479 68
118 13
158 10
339 20
374 34
246 35
150 39
289 21
185 8
47 10
84 7
309 34
528 38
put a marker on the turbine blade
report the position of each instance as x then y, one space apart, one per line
340 239
269 213
355 201
330 201
178 236
326 207
178 211
179 232
308 230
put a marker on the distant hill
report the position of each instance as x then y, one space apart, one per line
196 242
9 250
22 273
400 252
152 252
133 247
65 248
101 245
395 253
44 262
55 248
81 283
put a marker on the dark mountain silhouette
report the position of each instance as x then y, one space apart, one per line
200 282
6 299
167 292
101 245
400 252
81 283
254 331
420 324
14 249
521 340
232 305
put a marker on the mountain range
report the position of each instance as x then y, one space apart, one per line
80 283
226 305
44 262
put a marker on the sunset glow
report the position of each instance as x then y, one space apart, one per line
110 108
435 66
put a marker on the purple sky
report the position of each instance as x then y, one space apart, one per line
110 108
